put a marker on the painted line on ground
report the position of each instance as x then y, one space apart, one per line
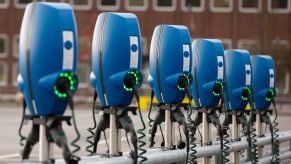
9 155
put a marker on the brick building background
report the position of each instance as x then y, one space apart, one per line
261 26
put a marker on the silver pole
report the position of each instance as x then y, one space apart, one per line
168 129
206 135
113 147
235 135
43 143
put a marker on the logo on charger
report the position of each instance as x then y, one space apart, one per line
68 44
133 51
68 50
186 58
248 74
220 67
272 78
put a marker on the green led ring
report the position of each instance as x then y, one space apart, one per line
137 77
189 80
70 76
249 92
272 90
220 82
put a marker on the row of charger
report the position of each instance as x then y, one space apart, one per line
202 70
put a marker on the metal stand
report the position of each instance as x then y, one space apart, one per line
118 119
169 114
235 136
259 132
113 148
168 129
206 135
47 124
44 152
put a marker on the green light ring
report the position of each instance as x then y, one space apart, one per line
189 80
73 82
272 90
137 77
221 83
248 88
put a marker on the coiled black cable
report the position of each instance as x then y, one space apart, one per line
275 158
253 135
71 104
268 122
22 138
150 123
89 139
141 130
226 147
254 149
223 133
192 131
192 140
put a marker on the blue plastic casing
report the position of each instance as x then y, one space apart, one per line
208 69
47 48
170 57
264 78
238 78
116 50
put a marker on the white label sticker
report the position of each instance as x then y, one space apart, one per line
186 57
133 51
68 50
220 67
272 78
248 74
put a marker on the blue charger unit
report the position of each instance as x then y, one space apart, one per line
238 79
116 53
47 52
170 58
264 81
208 71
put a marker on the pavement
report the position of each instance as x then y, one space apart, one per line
10 116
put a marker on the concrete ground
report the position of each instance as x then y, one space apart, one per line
10 116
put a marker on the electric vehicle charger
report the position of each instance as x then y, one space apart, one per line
238 89
264 93
170 82
209 84
116 76
47 78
